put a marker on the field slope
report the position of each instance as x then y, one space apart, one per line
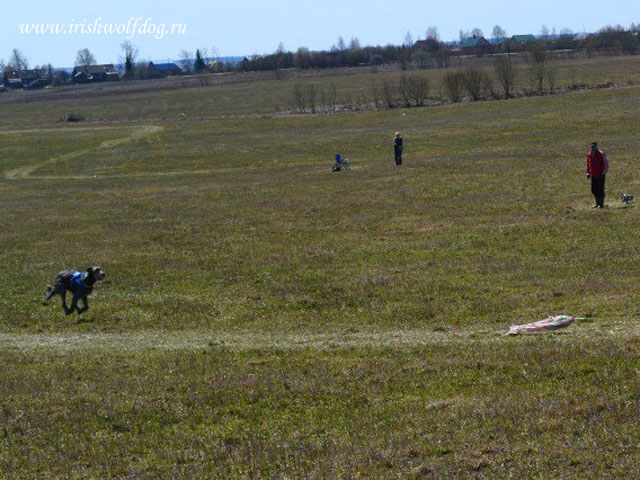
265 318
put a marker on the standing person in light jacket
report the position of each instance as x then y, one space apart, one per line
397 148
597 169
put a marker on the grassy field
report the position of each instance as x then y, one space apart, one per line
183 99
266 318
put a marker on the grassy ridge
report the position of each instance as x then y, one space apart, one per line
218 228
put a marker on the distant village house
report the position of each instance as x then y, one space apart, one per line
430 44
28 79
12 80
94 73
523 39
163 69
475 42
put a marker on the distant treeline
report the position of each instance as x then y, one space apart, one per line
433 53
430 52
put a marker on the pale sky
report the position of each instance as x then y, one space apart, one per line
245 27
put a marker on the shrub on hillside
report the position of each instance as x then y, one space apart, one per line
453 86
477 83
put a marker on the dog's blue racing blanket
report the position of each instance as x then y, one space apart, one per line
78 278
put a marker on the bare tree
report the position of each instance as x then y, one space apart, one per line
305 96
403 89
388 92
303 58
452 84
477 32
299 99
442 57
311 91
186 61
205 55
477 83
340 46
17 61
499 33
432 33
573 75
414 89
506 74
408 40
544 32
538 67
463 35
421 59
329 96
355 54
214 54
84 58
551 76
420 89
375 93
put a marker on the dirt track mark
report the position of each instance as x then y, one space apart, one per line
26 171
196 340
193 340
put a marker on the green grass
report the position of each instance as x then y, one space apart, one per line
266 318
561 408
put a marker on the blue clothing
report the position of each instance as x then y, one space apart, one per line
78 278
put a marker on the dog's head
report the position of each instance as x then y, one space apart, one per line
97 272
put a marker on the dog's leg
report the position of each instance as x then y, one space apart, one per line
50 293
74 303
85 306
67 310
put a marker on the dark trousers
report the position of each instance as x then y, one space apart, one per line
597 188
397 152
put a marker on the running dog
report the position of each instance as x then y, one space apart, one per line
80 284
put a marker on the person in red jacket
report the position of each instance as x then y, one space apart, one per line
597 169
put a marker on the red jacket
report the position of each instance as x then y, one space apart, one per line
598 165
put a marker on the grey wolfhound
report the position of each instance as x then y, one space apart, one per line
80 284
